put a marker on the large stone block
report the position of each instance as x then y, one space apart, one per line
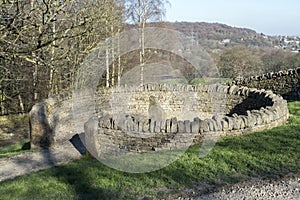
195 126
146 125
152 125
157 127
181 127
203 127
168 126
174 125
187 126
91 137
41 134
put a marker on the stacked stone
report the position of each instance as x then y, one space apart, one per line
285 83
273 114
272 111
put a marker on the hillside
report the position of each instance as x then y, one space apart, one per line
240 52
213 36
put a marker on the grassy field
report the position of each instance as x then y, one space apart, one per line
14 149
268 154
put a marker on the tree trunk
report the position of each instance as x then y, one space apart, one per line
113 58
119 60
107 67
21 103
2 106
51 74
140 27
35 72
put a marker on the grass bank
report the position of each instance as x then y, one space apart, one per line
270 154
13 129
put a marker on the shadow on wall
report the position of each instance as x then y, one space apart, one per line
249 104
78 141
285 83
293 95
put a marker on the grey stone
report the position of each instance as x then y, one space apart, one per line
236 125
130 123
115 124
107 122
195 126
251 120
217 122
245 91
212 88
146 125
211 125
155 111
225 126
243 120
259 120
230 122
203 126
168 126
41 133
187 125
269 117
135 126
181 127
157 127
204 105
174 125
91 137
152 125
140 126
233 89
163 126
246 120
101 122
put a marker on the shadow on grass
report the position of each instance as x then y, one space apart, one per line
84 184
269 154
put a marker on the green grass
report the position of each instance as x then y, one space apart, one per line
14 149
268 154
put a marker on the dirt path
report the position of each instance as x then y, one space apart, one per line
34 161
286 188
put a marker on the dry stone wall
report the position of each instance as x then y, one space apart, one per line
237 110
285 83
191 112
185 102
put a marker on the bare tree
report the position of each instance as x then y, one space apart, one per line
42 44
140 12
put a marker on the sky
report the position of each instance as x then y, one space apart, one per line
271 17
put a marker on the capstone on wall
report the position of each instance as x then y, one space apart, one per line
285 83
52 120
244 111
185 102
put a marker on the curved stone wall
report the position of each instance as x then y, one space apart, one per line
185 102
222 110
286 83
190 113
